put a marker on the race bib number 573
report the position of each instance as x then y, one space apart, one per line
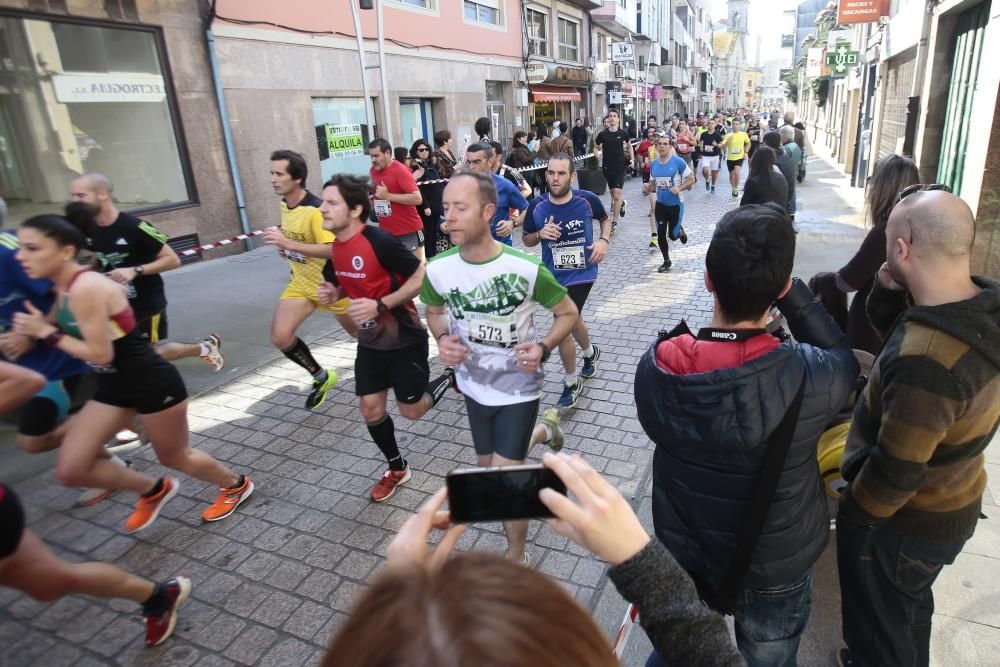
495 330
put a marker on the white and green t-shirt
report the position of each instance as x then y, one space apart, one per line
491 307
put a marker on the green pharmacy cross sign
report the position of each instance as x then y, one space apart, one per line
840 58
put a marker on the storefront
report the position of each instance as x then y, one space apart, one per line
557 93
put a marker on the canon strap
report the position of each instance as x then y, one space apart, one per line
728 335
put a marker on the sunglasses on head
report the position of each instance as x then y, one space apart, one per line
921 187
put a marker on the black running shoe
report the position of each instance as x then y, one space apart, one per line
665 267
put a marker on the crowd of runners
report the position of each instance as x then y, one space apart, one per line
84 321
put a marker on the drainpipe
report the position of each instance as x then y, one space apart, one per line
913 102
227 133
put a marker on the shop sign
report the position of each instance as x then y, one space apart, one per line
814 62
614 97
572 74
861 11
622 52
536 73
344 141
841 59
99 87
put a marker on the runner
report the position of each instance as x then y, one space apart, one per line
95 323
510 202
562 222
735 145
134 253
396 197
615 152
709 141
646 152
481 298
380 276
670 176
756 134
305 244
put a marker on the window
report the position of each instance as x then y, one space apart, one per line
423 4
483 11
88 98
538 33
569 40
602 49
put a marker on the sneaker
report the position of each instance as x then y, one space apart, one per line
665 267
386 486
125 436
571 394
214 356
93 496
160 626
736 192
147 509
589 369
708 186
713 189
614 227
550 418
653 242
624 208
318 393
845 658
683 237
228 500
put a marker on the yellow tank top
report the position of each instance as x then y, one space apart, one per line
304 224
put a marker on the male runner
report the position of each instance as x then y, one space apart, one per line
134 253
562 221
302 241
613 146
397 197
710 140
510 202
646 153
735 145
380 276
481 298
669 176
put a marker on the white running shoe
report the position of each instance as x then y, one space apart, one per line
214 356
94 496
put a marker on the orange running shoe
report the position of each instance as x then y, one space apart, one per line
386 486
228 500
147 509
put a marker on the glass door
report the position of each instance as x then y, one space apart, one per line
416 121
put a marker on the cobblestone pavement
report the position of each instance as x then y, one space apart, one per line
272 582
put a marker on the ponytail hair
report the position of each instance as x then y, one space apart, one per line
57 228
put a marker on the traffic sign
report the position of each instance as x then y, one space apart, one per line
622 52
840 59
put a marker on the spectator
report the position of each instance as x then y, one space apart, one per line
807 149
544 151
479 608
483 129
521 157
498 167
892 175
784 164
425 169
443 156
556 130
793 152
711 403
561 144
400 154
765 183
914 454
532 143
579 138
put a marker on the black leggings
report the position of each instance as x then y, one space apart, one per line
667 218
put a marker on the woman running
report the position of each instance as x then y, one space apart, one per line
92 321
27 565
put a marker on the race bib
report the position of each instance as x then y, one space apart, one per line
489 329
664 183
293 256
383 208
569 258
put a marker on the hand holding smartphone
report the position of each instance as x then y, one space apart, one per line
509 493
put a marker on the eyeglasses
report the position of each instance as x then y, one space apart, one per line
914 189
423 149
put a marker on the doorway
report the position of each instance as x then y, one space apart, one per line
416 120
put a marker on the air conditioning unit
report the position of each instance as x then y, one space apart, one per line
620 71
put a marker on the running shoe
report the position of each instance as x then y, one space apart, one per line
713 189
147 509
550 418
526 561
683 237
318 393
228 500
736 192
386 486
653 242
589 369
665 267
624 208
93 496
214 356
126 435
707 186
614 227
161 625
571 394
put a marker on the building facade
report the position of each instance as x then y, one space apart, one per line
731 59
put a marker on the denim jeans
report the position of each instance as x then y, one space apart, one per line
769 624
885 586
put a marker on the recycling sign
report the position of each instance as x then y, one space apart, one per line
840 59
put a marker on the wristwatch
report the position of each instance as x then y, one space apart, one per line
381 306
138 269
53 338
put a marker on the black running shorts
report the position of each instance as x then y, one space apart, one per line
578 294
615 176
730 164
11 522
152 327
406 371
158 388
502 429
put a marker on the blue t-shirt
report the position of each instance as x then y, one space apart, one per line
15 288
508 197
568 258
669 175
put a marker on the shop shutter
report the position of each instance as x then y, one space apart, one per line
899 82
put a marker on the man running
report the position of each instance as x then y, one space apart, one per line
669 176
134 253
396 197
735 144
709 141
380 276
302 241
510 202
498 167
562 222
481 298
613 146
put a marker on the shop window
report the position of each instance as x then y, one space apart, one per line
569 40
342 136
538 33
78 98
482 11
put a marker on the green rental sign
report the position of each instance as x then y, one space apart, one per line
344 140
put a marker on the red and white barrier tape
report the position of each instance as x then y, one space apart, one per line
621 639
234 239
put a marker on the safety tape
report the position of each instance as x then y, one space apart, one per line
621 638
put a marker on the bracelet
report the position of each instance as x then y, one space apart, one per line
441 336
53 338
605 240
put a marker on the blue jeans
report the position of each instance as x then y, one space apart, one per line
769 624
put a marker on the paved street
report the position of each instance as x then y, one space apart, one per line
273 582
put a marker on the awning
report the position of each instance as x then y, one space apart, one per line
554 94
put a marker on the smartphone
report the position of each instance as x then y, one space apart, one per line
500 494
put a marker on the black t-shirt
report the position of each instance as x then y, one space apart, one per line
129 241
706 141
612 147
755 134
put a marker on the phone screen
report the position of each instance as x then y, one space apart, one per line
500 494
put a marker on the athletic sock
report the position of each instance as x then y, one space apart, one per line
240 481
300 354
589 352
384 434
571 380
436 388
158 602
204 349
156 489
548 432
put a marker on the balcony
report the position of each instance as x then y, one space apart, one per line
614 18
698 61
674 76
586 4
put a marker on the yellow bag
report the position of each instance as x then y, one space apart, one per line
830 451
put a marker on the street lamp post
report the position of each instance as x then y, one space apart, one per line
361 57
